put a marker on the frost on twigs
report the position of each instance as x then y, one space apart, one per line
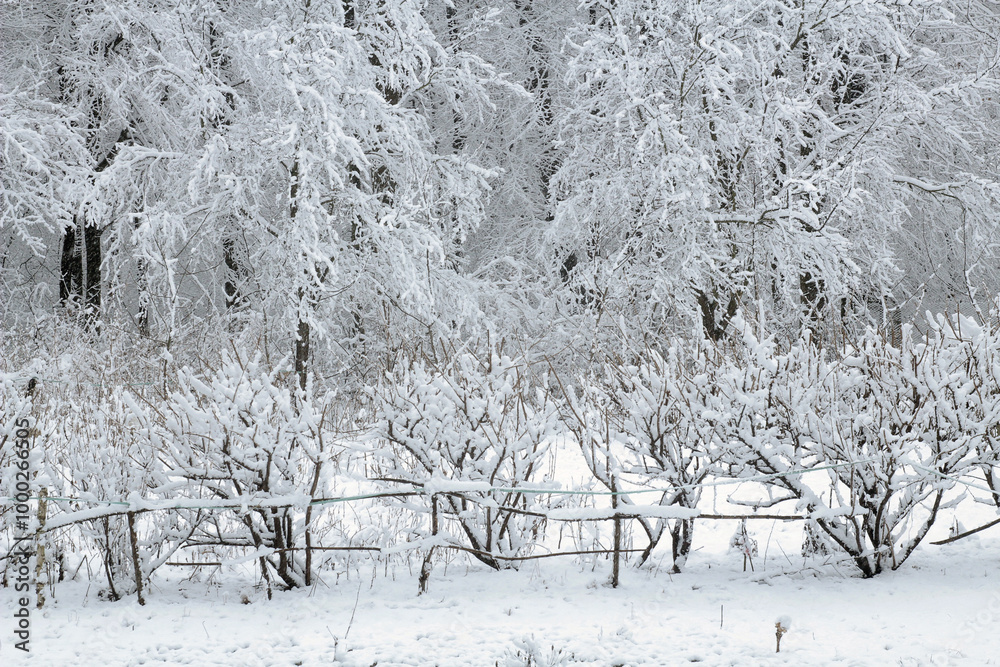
530 652
814 543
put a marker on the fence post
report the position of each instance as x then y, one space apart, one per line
43 506
309 554
616 557
425 568
136 561
616 563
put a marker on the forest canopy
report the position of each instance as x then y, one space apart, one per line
345 180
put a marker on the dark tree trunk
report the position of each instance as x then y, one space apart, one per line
350 22
302 331
70 268
814 300
80 269
681 534
234 296
302 346
235 299
539 85
80 264
714 322
143 283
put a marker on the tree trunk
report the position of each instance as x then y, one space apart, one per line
302 345
681 534
80 269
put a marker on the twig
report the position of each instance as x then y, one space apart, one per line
955 538
357 597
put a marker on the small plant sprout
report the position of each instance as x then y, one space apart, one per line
781 626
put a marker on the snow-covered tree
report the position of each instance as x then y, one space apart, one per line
642 425
764 156
661 407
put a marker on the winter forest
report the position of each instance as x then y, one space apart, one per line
299 294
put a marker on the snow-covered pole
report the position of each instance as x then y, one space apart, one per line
40 548
427 566
136 561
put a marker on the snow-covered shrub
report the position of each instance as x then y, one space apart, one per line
530 652
101 462
642 424
469 432
88 465
980 345
239 437
885 428
742 543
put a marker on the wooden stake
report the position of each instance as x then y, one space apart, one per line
428 565
136 561
616 563
43 505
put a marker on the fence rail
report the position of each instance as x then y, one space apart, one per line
618 513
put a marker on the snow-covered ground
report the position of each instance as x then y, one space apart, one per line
941 608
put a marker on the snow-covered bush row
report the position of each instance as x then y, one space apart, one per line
240 464
228 460
88 464
867 442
